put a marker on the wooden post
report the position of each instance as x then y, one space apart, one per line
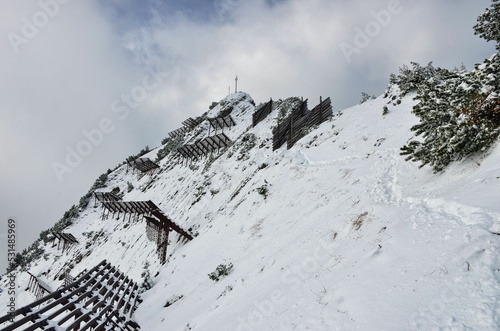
320 110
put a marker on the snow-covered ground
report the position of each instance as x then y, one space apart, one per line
349 237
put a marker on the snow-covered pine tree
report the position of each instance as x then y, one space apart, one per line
488 23
459 115
409 79
459 111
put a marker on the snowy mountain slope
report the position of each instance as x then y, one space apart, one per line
349 236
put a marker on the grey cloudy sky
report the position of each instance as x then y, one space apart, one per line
135 69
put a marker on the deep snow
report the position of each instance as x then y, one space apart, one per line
350 236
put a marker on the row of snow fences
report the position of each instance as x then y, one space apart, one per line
297 124
38 287
102 298
204 147
157 228
67 240
144 165
221 122
261 113
187 126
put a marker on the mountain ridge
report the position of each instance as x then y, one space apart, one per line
336 233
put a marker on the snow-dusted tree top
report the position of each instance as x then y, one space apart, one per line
488 25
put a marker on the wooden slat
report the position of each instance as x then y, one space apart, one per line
105 196
319 114
295 126
205 146
190 123
221 122
284 129
262 112
144 165
178 132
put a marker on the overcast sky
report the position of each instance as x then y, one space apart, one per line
134 70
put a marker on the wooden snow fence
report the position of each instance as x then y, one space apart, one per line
158 225
187 126
103 298
190 123
38 287
221 123
261 113
105 196
178 132
319 114
134 209
67 240
204 146
299 122
282 131
143 165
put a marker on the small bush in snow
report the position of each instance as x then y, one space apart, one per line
213 105
365 97
263 190
248 142
170 145
147 282
220 272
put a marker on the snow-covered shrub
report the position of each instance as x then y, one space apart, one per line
459 111
285 107
488 23
213 105
459 115
147 281
171 144
220 272
409 79
247 143
365 97
263 190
